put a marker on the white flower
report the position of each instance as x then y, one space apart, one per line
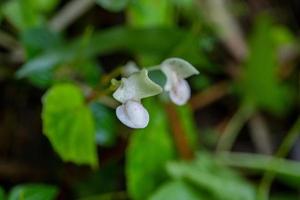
130 92
133 114
180 93
176 70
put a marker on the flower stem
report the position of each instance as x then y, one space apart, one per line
179 135
286 145
234 127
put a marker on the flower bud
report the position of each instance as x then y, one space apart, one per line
180 92
129 69
133 114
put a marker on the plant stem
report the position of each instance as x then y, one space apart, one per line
113 74
260 134
286 145
259 162
209 95
233 128
69 13
230 33
179 135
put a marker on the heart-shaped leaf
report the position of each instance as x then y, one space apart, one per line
69 125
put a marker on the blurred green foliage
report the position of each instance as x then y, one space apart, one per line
147 13
287 170
33 192
106 124
65 118
113 5
215 181
177 190
115 39
261 85
2 194
148 151
25 14
188 123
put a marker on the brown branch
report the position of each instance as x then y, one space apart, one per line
209 95
178 133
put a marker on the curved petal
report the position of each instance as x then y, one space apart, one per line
180 93
133 114
136 87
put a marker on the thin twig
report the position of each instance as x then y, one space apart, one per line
209 95
286 145
259 163
233 128
227 26
69 13
260 134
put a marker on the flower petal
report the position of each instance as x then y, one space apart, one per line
133 114
136 87
182 68
180 93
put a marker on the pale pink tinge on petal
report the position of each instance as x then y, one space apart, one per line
133 114
180 92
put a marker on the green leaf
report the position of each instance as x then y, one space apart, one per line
148 151
282 36
21 14
2 194
176 190
33 192
69 125
286 170
136 86
44 6
44 63
88 71
150 41
260 84
183 3
105 123
42 80
39 39
112 5
150 13
218 181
